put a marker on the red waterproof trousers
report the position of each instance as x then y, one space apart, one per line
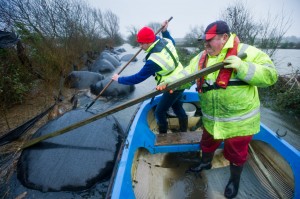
235 149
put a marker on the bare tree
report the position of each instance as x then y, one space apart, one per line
110 24
132 30
241 22
191 39
54 36
131 39
58 32
266 34
155 26
273 29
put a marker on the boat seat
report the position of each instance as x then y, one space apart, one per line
179 138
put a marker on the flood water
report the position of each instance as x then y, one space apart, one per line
287 61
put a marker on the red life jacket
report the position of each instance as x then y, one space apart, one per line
224 73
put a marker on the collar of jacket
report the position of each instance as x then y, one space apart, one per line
150 47
230 41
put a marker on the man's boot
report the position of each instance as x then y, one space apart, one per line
183 124
162 129
232 186
205 163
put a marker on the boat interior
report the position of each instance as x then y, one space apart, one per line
266 174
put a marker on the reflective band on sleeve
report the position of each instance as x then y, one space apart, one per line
195 67
243 49
233 119
173 78
234 80
160 60
251 71
184 72
210 82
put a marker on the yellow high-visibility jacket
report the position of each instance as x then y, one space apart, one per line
234 111
164 54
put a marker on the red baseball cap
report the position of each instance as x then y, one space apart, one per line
215 28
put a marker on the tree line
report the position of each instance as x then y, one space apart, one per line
266 33
289 45
56 36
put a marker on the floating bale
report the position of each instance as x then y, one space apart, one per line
74 161
121 50
111 58
115 89
8 39
82 79
127 57
102 66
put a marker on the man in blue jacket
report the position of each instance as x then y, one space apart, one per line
162 62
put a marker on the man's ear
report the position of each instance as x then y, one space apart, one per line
226 36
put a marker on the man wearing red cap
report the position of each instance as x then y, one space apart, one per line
162 62
229 98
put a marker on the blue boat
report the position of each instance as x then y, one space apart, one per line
151 165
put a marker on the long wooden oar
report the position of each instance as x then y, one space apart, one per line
171 86
109 83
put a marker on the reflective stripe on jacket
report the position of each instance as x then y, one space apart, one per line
164 54
235 111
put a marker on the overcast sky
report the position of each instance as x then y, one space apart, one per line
189 13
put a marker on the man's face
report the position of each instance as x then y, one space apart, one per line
215 45
144 46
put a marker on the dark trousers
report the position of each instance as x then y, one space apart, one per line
169 100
